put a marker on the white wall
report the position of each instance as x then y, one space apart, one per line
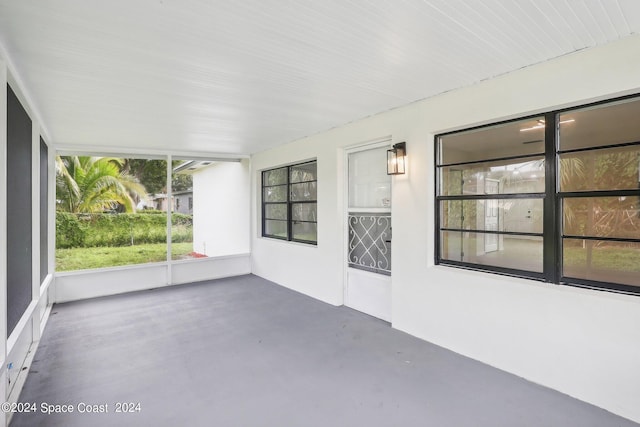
83 284
580 342
221 209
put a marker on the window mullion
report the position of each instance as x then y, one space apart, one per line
552 214
289 209
436 191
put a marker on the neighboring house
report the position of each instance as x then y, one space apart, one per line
160 202
183 202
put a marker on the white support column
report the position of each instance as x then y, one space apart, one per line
51 239
3 236
169 213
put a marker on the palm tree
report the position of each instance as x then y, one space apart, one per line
94 184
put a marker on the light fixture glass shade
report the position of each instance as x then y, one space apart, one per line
396 159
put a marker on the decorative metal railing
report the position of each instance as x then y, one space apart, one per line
370 242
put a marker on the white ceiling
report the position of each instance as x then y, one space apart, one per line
242 76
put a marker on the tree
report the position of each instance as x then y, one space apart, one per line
95 184
153 175
181 181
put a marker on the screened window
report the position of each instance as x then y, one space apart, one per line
289 203
554 197
109 220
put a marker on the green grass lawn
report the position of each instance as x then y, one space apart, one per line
85 258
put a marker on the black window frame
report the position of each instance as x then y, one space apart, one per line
289 203
552 233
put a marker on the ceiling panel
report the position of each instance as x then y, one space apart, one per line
243 76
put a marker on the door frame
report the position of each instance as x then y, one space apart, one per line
381 142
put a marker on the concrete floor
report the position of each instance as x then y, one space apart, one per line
246 352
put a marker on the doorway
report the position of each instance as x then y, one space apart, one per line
368 216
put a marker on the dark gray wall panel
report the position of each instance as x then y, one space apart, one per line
19 233
44 210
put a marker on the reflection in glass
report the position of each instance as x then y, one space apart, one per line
612 123
275 194
275 228
276 211
307 231
617 217
515 252
511 176
304 172
605 169
304 211
603 261
304 191
520 138
274 177
369 184
511 215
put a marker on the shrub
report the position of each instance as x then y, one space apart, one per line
70 233
181 228
120 229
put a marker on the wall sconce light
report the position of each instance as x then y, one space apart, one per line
396 158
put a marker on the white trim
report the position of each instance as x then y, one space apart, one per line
93 284
46 284
71 150
103 153
369 210
213 158
22 324
109 269
221 257
284 165
169 217
213 268
22 376
35 222
51 209
139 266
3 233
28 356
252 208
288 242
45 317
368 145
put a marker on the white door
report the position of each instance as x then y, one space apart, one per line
368 281
491 218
